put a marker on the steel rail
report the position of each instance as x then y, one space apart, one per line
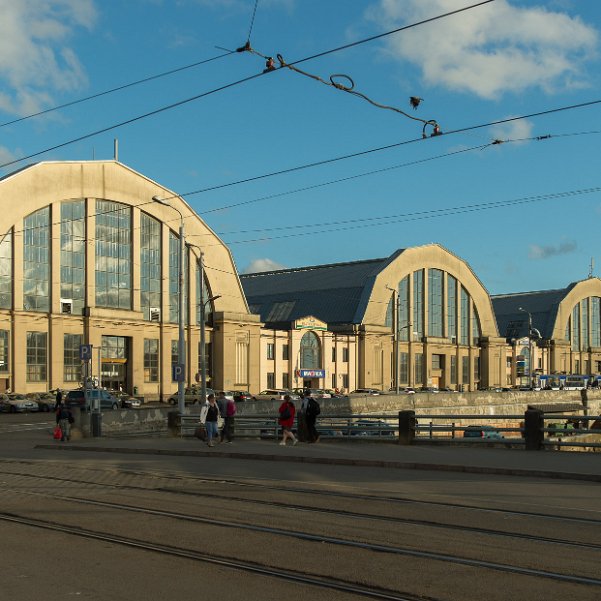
289 575
403 551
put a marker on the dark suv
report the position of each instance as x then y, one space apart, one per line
76 398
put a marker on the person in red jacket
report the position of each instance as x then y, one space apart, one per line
286 420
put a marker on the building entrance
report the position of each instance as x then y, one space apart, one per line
114 363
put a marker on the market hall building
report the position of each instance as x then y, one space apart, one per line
88 258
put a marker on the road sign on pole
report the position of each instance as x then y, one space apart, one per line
178 372
85 352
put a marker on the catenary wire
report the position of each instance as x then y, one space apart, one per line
252 20
315 186
116 89
382 148
225 87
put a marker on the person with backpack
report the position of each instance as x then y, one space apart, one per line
64 419
227 432
312 410
286 420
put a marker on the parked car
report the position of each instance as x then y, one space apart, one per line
17 403
76 398
45 400
367 391
371 427
129 402
482 432
228 394
429 389
241 396
192 395
273 394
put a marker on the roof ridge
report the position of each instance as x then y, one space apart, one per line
312 267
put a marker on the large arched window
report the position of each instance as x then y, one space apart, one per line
36 261
310 351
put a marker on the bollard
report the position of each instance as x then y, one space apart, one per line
96 423
407 423
533 429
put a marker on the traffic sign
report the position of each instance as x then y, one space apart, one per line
177 372
85 352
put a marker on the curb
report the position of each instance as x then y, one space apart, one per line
401 465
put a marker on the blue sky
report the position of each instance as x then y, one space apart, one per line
501 60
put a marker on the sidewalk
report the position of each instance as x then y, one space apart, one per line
476 460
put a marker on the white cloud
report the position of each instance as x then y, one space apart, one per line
513 130
492 49
35 58
545 252
261 265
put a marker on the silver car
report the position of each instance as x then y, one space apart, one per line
18 403
273 394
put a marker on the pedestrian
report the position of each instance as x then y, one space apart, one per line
286 420
57 402
209 414
64 420
312 410
227 432
301 429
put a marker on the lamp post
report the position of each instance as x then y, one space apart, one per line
529 344
397 337
181 347
203 304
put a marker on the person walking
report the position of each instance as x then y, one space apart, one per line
57 402
209 414
301 420
64 419
311 412
227 432
286 420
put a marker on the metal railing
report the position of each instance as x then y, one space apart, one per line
555 430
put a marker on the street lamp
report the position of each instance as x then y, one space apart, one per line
397 337
203 304
181 347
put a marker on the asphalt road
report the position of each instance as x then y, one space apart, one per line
169 527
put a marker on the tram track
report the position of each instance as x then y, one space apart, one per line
319 538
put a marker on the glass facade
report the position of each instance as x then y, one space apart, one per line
418 302
71 361
435 302
596 321
151 360
451 308
36 261
404 325
6 271
465 370
576 328
310 354
113 255
4 351
150 265
453 374
73 254
174 280
419 369
475 327
404 368
205 296
465 317
584 343
37 357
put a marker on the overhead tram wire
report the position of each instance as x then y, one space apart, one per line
116 89
392 168
230 85
327 183
432 214
387 147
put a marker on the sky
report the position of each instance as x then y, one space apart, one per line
519 201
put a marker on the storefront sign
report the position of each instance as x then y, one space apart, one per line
311 373
309 323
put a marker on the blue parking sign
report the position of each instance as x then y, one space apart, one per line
177 372
85 352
